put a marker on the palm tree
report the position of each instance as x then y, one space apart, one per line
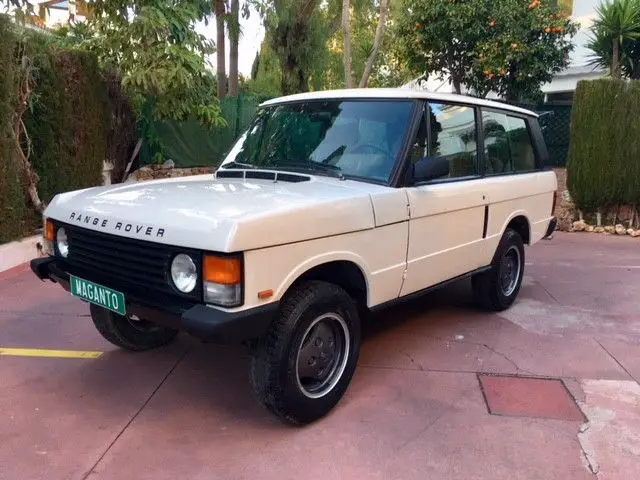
234 38
614 34
221 71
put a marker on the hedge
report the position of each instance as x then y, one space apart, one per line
603 168
76 109
14 213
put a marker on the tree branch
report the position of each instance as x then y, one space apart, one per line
382 23
346 29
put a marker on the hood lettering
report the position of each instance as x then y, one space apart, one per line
108 225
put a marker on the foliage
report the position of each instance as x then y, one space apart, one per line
604 153
266 76
510 47
68 119
326 69
297 35
154 45
15 217
615 38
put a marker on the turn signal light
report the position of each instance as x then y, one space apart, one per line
222 270
50 231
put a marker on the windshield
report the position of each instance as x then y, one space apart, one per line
354 139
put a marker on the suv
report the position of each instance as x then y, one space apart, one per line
331 205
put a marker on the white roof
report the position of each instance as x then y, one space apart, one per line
400 93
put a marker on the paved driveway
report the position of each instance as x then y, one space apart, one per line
442 390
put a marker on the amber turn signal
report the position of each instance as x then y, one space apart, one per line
50 231
222 270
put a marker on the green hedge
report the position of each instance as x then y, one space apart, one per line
14 213
603 168
71 117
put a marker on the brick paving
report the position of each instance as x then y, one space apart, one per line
415 409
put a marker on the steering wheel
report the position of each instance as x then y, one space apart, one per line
370 145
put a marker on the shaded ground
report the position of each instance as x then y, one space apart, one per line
415 409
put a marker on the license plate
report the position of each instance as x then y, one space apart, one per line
98 295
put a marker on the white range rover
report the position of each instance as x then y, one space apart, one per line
331 204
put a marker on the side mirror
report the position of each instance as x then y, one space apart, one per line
430 168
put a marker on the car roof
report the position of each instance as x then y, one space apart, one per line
396 93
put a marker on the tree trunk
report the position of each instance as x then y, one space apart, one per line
615 61
234 38
457 85
220 48
382 24
346 31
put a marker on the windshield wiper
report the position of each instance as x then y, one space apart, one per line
332 170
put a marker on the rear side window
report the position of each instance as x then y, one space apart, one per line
453 136
507 144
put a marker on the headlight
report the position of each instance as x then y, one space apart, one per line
184 273
62 242
222 281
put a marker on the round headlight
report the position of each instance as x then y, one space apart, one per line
184 273
62 242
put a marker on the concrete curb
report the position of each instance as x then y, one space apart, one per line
14 254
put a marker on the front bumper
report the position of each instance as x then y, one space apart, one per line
553 224
201 321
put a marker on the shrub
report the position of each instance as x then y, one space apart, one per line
603 168
67 122
14 213
75 110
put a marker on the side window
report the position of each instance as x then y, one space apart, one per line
507 144
452 134
523 158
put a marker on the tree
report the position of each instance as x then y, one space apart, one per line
160 56
346 33
373 53
384 9
234 40
526 47
511 47
221 70
615 38
297 36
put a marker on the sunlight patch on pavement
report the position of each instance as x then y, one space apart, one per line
47 353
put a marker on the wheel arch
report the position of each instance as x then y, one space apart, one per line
519 221
346 271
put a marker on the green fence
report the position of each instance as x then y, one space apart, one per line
191 144
555 121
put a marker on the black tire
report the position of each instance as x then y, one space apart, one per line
489 291
135 335
275 357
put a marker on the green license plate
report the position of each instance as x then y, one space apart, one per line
98 295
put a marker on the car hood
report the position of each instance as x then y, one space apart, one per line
226 215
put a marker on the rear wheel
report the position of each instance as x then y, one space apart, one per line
128 332
498 288
302 367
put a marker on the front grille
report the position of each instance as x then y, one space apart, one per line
124 263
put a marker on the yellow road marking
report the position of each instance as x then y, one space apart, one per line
42 352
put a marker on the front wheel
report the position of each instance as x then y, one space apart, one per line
302 367
497 289
129 333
